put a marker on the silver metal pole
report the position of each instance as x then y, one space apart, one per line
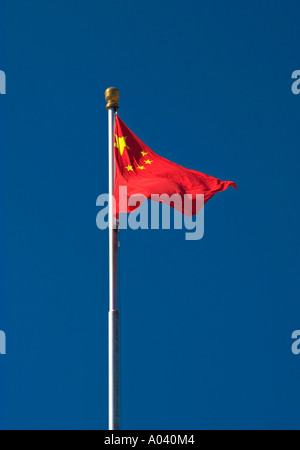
112 97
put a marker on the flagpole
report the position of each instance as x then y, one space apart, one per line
112 96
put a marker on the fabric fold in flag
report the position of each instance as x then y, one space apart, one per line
142 171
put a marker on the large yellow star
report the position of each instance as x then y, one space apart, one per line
121 144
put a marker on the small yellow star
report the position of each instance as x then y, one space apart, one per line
129 168
144 153
141 167
148 161
121 143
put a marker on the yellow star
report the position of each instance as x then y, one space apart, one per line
141 167
129 168
148 161
144 153
121 143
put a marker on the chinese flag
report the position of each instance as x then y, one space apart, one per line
144 172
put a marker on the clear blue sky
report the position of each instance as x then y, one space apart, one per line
206 325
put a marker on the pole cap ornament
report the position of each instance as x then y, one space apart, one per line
112 96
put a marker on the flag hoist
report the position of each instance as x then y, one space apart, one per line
142 171
112 96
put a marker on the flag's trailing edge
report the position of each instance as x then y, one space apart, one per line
144 172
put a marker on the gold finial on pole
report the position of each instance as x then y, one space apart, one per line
112 96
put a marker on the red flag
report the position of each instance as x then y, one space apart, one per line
144 172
